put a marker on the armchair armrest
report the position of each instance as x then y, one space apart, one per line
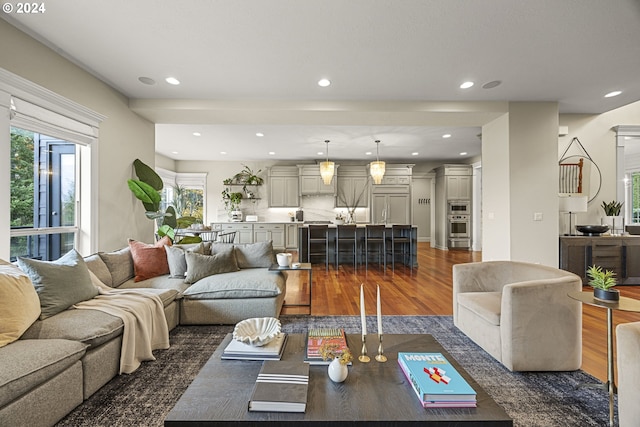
628 348
540 324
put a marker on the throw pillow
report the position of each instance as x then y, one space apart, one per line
149 260
120 265
19 303
255 255
176 259
60 283
199 266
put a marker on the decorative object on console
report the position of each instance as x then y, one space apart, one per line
602 281
592 230
612 217
257 331
377 168
327 168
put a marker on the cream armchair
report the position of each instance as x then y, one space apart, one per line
520 313
628 346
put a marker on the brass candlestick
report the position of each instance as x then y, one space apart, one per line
363 356
380 357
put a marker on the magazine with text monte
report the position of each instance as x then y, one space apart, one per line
436 381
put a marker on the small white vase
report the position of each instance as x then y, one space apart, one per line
337 371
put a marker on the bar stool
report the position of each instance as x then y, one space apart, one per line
374 235
318 234
400 235
346 234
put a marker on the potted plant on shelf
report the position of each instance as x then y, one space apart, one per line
602 281
612 216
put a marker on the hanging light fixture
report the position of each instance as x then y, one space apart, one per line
327 168
377 168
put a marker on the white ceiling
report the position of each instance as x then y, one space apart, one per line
250 66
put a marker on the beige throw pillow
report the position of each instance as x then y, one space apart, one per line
19 303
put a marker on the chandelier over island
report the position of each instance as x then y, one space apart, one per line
377 168
327 168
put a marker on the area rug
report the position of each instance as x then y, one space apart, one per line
532 399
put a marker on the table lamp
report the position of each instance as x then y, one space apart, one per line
572 204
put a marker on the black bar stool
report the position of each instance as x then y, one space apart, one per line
400 235
346 234
318 235
374 236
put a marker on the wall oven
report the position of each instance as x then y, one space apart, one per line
459 231
459 207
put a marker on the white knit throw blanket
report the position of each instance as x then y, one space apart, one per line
145 325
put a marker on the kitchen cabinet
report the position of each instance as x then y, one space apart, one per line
266 232
244 231
459 187
351 189
395 180
620 254
391 208
311 182
291 236
284 187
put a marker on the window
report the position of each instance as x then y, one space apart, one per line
635 197
43 195
185 192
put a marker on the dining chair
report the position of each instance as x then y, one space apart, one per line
228 237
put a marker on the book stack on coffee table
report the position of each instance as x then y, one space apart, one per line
270 351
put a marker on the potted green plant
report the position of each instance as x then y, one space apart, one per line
612 216
602 281
231 200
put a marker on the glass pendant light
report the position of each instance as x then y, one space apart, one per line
327 168
377 168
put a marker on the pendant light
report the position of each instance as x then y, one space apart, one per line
327 168
377 168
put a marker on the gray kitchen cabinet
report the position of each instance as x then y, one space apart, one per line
244 231
266 232
459 187
291 236
391 208
311 182
284 187
351 189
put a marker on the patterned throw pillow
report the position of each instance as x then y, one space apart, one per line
149 260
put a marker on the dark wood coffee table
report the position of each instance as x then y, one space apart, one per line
374 394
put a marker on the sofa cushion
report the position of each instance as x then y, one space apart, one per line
91 327
120 264
248 283
255 255
161 282
484 304
176 260
149 260
98 267
19 303
200 266
60 283
28 363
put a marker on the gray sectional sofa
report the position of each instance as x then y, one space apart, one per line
63 359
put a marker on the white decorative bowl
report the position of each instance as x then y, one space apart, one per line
257 331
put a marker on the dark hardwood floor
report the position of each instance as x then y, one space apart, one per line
427 290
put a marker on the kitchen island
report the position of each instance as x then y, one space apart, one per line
303 238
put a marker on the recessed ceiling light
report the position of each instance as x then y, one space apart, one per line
320 153
492 84
147 80
446 135
612 94
259 134
223 152
272 153
172 81
466 85
368 153
324 82
174 152
415 153
464 153
197 134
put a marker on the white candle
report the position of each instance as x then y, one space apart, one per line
379 313
362 316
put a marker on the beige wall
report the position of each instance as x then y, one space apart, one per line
124 136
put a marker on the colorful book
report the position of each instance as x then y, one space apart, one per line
281 386
270 351
436 381
316 338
